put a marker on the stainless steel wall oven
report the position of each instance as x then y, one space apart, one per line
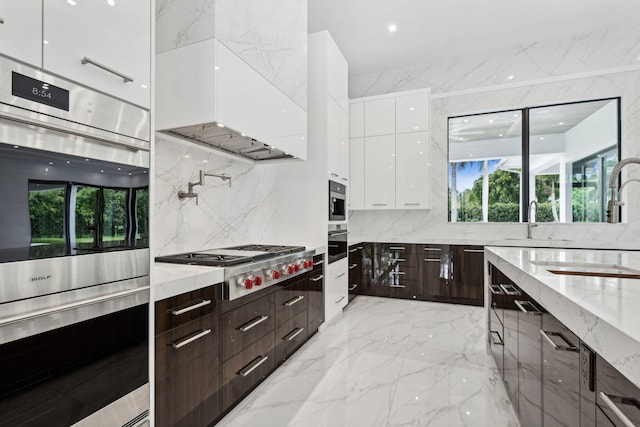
74 253
336 243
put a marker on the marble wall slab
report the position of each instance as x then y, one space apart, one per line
183 22
240 214
433 224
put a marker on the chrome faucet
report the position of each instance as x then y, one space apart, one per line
533 207
614 203
190 194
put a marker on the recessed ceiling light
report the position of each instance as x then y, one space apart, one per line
205 161
111 2
72 2
144 86
50 163
466 120
68 162
411 108
415 128
516 115
500 135
511 77
102 171
45 41
420 152
560 123
490 120
243 134
119 169
393 28
220 125
186 156
542 138
418 142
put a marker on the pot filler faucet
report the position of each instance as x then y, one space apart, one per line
190 194
533 209
614 204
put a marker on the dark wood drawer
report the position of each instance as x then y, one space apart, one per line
291 300
182 345
175 311
246 369
246 324
290 335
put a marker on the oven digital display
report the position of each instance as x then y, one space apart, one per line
39 91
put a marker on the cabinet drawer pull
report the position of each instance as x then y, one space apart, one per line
397 286
87 60
496 290
252 366
529 309
252 323
433 249
191 339
353 287
191 307
318 262
611 401
337 301
360 248
334 174
338 233
398 259
1 21
412 204
378 204
352 266
353 250
293 301
340 275
344 179
494 340
475 251
510 289
397 273
320 277
293 334
547 335
432 259
396 248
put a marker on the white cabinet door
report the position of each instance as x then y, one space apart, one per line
356 174
102 45
412 113
21 30
380 172
338 141
380 117
356 120
337 75
337 288
413 170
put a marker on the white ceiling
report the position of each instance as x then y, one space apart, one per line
429 30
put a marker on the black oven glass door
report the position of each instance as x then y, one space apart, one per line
60 377
337 201
337 245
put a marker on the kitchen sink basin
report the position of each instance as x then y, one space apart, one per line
589 269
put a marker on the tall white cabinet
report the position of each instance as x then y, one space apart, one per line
390 166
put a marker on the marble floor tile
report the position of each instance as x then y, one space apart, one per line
385 363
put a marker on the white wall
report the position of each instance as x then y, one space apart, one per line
593 134
606 65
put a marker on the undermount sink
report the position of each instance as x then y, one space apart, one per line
548 239
589 269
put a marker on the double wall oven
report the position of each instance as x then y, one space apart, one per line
74 256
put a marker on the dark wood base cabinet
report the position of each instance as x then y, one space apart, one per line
552 378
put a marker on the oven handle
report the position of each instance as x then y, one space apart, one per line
71 306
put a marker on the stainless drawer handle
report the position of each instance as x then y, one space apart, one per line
191 307
510 289
432 249
496 290
360 248
191 339
334 174
397 273
547 335
344 179
353 250
529 309
396 248
252 366
318 262
338 233
432 259
340 275
353 287
494 340
476 251
397 286
398 259
315 279
293 301
293 334
252 323
87 60
352 266
378 204
337 301
412 204
611 401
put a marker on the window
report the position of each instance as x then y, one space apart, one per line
560 155
47 212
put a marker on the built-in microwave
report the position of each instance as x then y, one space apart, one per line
337 201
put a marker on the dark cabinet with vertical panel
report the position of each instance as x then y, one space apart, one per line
394 271
618 399
355 270
292 328
315 291
560 374
468 274
436 275
529 361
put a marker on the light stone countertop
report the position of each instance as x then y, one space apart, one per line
603 312
174 279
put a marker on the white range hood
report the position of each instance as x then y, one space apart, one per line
208 95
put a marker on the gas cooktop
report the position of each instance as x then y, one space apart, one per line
227 257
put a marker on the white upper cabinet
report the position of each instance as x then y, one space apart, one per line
21 30
337 75
356 120
356 173
337 141
413 170
380 172
412 113
380 117
104 45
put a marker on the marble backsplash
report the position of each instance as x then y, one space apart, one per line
269 35
423 226
225 215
